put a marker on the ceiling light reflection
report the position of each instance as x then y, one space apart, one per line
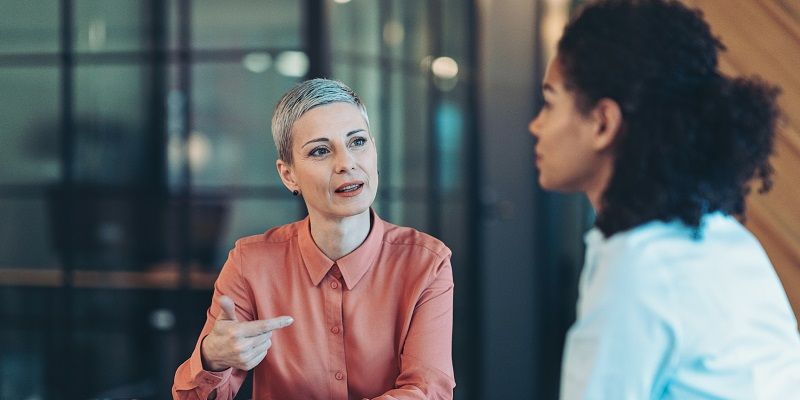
292 64
444 67
257 62
393 33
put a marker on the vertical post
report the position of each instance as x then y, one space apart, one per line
316 34
433 195
474 208
63 386
185 181
184 195
510 367
158 83
157 201
385 110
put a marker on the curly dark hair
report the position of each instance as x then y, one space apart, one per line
691 139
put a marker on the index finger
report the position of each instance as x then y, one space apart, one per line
262 326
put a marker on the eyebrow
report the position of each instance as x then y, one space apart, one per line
351 133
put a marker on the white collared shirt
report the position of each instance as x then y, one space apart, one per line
664 315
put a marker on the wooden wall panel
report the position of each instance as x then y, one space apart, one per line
763 38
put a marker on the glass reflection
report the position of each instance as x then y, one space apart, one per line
29 26
232 143
245 24
29 126
111 25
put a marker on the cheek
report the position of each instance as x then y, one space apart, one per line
553 138
314 180
561 147
370 162
577 156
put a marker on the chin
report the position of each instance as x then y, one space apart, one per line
556 186
545 184
349 207
352 210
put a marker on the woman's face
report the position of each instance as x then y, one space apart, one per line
566 152
335 161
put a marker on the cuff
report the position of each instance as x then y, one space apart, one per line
207 380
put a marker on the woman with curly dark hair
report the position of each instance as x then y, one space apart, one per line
677 299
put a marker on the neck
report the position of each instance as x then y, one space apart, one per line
338 237
594 190
594 199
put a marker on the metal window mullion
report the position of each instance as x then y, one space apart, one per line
185 182
61 336
434 99
385 109
474 209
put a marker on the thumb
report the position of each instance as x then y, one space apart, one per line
228 308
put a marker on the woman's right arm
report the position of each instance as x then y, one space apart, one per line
192 380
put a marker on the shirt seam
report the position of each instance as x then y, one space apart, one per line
250 240
438 254
244 282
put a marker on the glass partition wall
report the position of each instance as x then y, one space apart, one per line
136 149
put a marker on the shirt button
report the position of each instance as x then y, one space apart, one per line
339 376
334 285
335 330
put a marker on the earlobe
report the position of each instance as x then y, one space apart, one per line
609 118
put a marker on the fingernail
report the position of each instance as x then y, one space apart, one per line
289 320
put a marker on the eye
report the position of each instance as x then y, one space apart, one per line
358 142
319 151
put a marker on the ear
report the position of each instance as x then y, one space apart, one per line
608 116
286 173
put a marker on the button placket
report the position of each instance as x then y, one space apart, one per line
334 293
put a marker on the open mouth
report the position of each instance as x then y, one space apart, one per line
349 187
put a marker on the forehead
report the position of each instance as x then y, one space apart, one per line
553 77
330 119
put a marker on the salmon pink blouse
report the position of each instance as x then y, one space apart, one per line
375 324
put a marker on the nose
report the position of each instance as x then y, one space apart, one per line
533 126
345 161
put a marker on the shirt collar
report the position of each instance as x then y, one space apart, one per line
352 266
594 240
593 237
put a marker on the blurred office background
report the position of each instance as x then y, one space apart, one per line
135 148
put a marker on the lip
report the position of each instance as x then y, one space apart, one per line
359 187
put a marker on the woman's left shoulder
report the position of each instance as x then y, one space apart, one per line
406 238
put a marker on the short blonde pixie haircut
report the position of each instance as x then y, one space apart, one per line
302 98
